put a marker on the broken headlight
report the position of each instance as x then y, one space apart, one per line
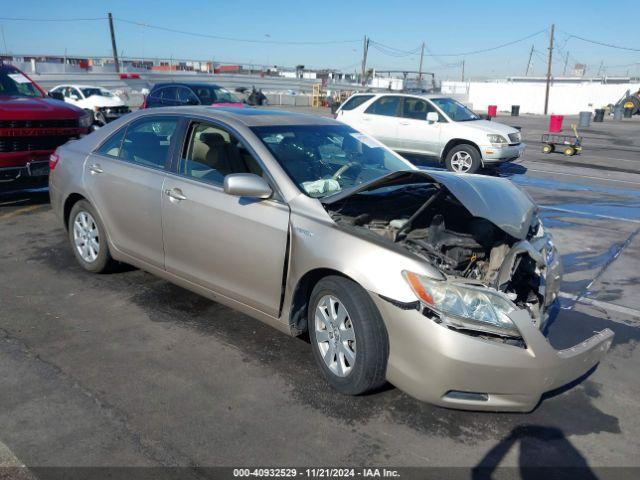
466 307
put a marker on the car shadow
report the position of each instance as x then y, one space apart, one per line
15 198
543 452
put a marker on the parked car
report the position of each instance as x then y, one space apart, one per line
104 105
181 94
32 125
437 282
432 125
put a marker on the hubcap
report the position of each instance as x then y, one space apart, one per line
461 162
335 336
85 236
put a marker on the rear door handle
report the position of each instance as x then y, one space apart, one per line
95 168
175 194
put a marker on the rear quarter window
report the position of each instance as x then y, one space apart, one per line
355 101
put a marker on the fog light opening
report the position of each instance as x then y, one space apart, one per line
467 396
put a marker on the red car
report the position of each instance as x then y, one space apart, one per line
32 126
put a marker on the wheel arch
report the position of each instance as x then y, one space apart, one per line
69 202
454 142
302 294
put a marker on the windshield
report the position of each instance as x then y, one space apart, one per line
14 83
456 111
209 95
88 92
323 160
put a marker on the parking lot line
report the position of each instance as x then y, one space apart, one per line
21 211
582 176
632 312
596 215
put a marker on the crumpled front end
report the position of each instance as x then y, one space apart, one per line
437 364
472 338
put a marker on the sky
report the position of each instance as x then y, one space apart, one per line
445 27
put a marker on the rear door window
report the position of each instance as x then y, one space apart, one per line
355 101
387 106
169 95
147 141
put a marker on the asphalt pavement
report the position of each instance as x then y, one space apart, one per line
128 370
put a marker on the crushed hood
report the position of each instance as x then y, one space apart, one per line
495 199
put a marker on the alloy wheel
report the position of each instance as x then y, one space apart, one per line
86 237
335 335
461 162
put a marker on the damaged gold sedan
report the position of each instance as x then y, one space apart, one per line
439 283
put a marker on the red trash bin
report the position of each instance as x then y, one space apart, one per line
555 123
492 110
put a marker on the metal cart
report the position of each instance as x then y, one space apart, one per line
567 144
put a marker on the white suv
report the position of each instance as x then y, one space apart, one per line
432 125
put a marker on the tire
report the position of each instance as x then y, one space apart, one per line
95 259
569 151
463 159
366 370
547 148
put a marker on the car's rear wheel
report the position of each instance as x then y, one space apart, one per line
88 238
348 336
463 159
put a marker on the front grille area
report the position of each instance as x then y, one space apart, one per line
27 144
514 138
69 123
117 110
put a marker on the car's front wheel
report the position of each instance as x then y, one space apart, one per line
463 159
88 238
348 336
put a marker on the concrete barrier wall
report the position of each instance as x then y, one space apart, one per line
564 98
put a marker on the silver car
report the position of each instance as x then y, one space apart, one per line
435 282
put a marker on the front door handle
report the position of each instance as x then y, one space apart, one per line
95 169
404 123
175 194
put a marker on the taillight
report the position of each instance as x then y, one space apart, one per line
144 102
54 158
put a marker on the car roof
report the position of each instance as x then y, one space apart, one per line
402 94
185 84
248 116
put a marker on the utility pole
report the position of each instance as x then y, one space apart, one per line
566 60
364 61
4 41
546 94
113 44
526 73
463 70
420 68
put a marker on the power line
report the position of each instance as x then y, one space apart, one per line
603 43
231 39
474 52
24 19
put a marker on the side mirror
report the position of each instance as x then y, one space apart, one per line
432 117
247 185
74 97
56 95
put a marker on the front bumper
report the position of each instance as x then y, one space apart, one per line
428 361
34 170
109 114
491 154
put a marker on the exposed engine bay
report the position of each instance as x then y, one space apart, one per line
429 221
